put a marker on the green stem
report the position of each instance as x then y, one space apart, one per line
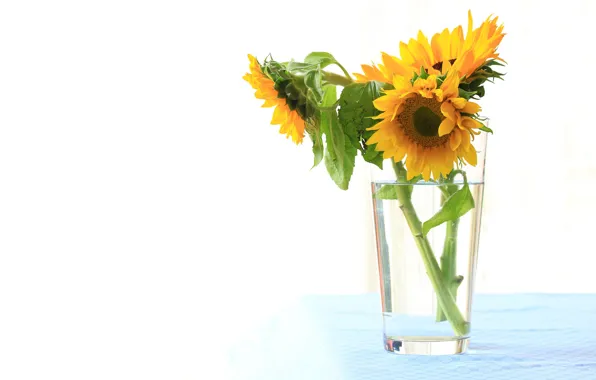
441 288
337 79
448 258
344 71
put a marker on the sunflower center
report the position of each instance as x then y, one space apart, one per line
426 122
420 118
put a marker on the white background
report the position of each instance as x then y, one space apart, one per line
149 213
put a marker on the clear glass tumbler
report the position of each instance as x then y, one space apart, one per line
427 277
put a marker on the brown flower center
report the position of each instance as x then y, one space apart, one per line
420 118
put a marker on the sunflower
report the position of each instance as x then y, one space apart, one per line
429 125
291 124
446 49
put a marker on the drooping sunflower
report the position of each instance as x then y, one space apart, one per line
429 125
445 48
290 122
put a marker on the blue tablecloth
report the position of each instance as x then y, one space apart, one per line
340 337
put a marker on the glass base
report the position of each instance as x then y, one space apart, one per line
426 345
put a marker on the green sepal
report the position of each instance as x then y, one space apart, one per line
414 77
466 94
484 128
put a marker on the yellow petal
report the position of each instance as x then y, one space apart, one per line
426 87
455 139
448 111
464 65
470 35
432 81
446 127
457 41
450 85
375 138
401 83
426 172
373 73
398 109
405 54
385 103
387 154
471 108
387 146
399 154
395 66
446 67
470 123
465 140
436 172
360 78
280 115
254 64
270 103
459 103
407 95
471 156
419 53
436 47
445 46
423 41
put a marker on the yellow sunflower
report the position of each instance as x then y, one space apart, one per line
443 51
428 125
291 124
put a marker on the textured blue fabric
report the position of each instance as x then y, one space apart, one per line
340 337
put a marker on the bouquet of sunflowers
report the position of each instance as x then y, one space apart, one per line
419 110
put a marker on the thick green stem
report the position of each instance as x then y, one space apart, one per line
449 256
336 79
449 264
435 275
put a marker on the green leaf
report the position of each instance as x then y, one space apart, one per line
454 207
388 192
317 147
423 73
372 156
484 128
320 58
356 112
294 66
340 155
